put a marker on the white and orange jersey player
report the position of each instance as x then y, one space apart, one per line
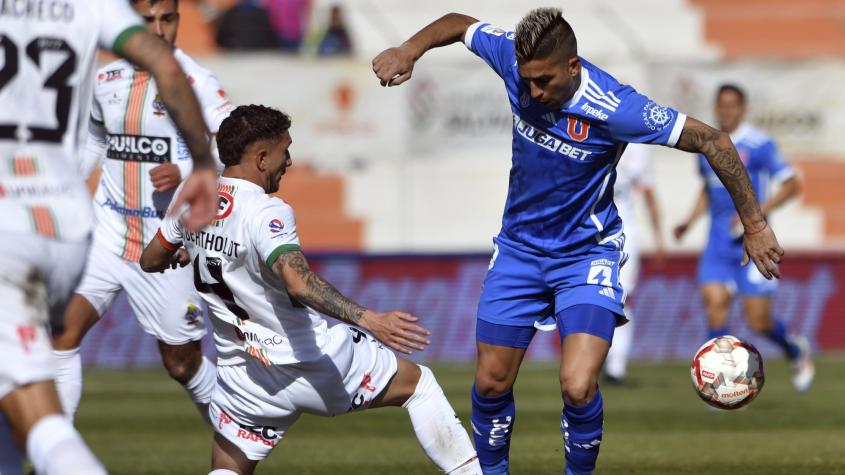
277 356
144 158
48 53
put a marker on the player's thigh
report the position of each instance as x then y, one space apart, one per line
181 361
401 387
36 278
166 305
227 456
590 279
250 409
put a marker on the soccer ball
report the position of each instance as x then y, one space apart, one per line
727 373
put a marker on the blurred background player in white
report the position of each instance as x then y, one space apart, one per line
633 177
45 85
277 357
144 159
720 272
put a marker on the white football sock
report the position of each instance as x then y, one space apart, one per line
616 364
11 462
222 471
201 386
69 380
438 429
54 448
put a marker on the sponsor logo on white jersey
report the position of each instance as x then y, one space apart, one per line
139 148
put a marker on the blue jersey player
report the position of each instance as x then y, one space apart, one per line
560 248
719 271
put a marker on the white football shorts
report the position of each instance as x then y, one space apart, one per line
166 305
254 405
37 276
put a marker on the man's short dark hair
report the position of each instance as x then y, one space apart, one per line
542 33
728 87
247 125
153 2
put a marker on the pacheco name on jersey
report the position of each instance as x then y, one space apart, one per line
139 148
39 10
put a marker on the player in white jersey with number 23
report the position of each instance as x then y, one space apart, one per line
277 357
48 52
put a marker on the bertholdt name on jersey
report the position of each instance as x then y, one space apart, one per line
546 140
38 10
213 242
139 148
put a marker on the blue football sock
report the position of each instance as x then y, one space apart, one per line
492 425
582 431
779 336
717 332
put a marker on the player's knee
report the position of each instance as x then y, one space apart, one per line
577 389
180 368
493 381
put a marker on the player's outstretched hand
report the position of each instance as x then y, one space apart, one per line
398 330
200 192
165 176
762 247
394 66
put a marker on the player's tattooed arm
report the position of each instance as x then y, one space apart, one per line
394 66
397 330
309 288
760 242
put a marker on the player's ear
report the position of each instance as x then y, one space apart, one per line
574 66
261 159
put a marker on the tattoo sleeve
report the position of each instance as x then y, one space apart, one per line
316 292
720 152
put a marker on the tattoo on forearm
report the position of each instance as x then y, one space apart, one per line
722 156
321 295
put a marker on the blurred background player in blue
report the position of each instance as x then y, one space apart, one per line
720 272
561 243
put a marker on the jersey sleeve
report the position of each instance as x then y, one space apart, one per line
638 119
492 44
119 22
96 143
273 231
170 233
216 105
777 166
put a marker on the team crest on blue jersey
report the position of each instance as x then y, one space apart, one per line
655 116
276 226
158 106
524 99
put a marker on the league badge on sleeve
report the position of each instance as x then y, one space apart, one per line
656 117
276 226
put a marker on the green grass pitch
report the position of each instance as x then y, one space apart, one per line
140 422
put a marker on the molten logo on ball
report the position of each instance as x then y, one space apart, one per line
727 372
